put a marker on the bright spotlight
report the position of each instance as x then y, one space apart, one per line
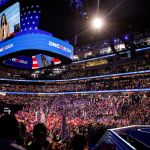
97 23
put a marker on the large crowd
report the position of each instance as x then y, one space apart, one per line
101 84
86 115
138 66
10 73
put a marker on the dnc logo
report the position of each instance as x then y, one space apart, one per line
19 61
6 47
59 46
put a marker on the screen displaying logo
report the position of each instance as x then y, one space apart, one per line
34 62
6 47
19 61
10 19
59 46
35 42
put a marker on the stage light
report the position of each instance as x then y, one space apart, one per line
88 47
115 40
126 37
105 43
97 23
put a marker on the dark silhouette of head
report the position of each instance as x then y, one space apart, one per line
40 132
77 142
9 127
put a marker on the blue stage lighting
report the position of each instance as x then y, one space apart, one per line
32 6
37 6
126 37
115 40
27 7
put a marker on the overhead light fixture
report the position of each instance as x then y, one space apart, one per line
97 23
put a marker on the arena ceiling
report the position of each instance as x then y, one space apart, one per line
120 17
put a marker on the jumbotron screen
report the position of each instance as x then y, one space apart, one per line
34 62
10 21
24 45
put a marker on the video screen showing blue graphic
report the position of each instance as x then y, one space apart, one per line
10 21
32 62
20 62
45 61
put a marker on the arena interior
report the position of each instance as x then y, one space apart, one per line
75 75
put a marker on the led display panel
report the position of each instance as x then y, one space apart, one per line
10 21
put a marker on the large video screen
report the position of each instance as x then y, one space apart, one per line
34 62
10 21
45 61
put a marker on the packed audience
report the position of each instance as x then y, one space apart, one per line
139 66
10 73
38 125
101 84
86 115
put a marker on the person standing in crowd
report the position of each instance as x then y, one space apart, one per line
4 27
9 132
39 135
